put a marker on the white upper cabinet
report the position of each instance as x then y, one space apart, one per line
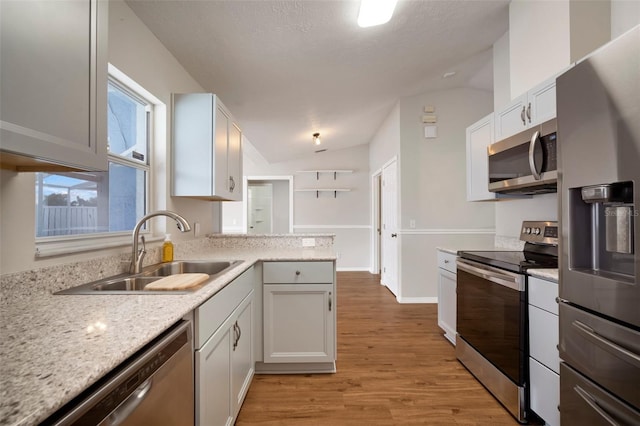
534 107
53 114
207 149
479 137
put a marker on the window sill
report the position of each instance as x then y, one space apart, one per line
80 244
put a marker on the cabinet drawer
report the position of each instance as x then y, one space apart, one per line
545 392
543 293
212 313
447 261
298 272
543 337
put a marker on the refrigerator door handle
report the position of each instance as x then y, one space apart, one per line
593 403
609 346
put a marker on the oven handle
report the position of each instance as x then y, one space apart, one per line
495 275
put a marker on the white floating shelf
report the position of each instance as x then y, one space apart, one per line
319 190
317 172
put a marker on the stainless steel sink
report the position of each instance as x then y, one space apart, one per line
135 284
184 266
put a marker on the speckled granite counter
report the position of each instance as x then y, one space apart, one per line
55 346
545 274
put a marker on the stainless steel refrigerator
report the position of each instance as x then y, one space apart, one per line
598 104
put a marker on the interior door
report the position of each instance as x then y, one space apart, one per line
260 219
389 227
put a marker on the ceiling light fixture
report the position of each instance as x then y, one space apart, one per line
316 139
375 12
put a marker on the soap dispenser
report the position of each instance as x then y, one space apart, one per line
167 249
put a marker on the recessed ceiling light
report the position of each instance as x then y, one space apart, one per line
449 74
375 12
316 139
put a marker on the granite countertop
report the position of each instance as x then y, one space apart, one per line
545 274
55 346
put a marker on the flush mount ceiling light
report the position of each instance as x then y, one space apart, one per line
375 12
316 139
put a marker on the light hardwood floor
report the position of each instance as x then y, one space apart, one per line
394 368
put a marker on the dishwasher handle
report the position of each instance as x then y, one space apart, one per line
504 278
129 405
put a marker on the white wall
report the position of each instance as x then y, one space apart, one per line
346 215
511 213
385 144
134 50
433 185
501 79
625 14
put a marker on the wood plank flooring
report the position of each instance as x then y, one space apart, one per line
394 368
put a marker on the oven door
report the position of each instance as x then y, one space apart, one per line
491 316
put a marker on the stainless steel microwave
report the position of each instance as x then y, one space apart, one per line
525 163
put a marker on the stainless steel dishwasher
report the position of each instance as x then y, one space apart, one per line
154 387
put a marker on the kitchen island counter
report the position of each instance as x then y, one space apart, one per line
55 346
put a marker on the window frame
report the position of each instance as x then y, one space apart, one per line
67 244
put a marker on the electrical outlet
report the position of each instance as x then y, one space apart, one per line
308 242
412 224
338 255
196 229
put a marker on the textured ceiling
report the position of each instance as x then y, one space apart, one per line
287 69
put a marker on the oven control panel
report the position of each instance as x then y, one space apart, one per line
539 232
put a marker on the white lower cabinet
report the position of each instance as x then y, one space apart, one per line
447 294
299 308
224 360
544 358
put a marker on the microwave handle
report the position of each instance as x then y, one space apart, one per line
535 139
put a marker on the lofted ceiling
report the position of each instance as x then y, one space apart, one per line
290 68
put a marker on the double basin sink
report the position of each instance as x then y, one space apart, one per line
136 283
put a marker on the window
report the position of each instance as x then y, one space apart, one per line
102 202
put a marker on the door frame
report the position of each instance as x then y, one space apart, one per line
245 198
376 209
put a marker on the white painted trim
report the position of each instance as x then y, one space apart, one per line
446 231
331 226
375 219
417 299
245 201
353 269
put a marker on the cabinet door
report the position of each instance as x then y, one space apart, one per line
298 323
242 361
542 102
545 392
213 381
234 162
479 137
511 119
447 304
221 141
54 81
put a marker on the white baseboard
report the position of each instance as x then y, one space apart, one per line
417 300
353 269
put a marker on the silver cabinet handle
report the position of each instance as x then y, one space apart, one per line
329 301
297 272
232 184
606 344
394 235
524 122
535 139
446 261
529 112
591 401
236 336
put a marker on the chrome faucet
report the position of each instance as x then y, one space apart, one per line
138 255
